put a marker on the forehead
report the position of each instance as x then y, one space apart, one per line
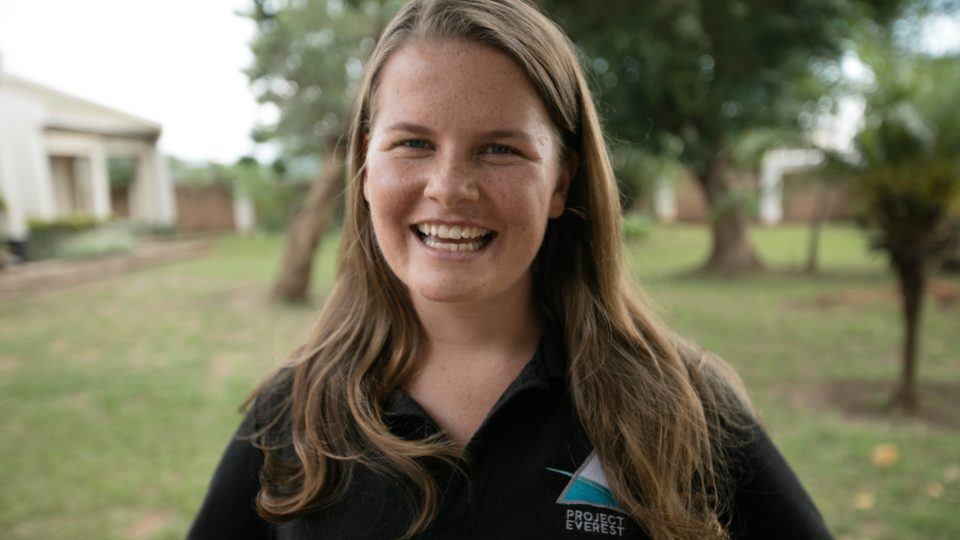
448 84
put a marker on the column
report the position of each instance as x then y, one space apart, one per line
665 200
99 182
166 197
771 188
154 187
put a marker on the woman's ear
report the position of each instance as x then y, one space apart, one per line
568 169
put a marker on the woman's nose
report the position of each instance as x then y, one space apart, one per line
452 182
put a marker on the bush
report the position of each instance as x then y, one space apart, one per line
163 231
106 240
636 226
275 202
46 236
76 223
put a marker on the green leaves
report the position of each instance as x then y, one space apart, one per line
908 176
908 206
895 135
308 58
704 72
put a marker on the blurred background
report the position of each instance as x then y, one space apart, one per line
170 200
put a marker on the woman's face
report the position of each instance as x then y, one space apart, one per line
463 171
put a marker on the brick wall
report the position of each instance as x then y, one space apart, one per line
800 196
204 208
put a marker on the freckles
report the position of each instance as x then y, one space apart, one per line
520 195
387 175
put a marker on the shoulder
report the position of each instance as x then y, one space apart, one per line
719 387
267 406
766 499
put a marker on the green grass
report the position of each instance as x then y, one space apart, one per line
117 397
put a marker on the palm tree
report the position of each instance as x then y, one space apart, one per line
908 177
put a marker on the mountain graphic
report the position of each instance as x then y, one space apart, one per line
588 486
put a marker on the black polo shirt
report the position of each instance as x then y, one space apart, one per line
530 474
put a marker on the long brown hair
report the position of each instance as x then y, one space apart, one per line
658 414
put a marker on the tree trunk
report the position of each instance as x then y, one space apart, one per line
913 281
951 263
824 205
731 252
306 228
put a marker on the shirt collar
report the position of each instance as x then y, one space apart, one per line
554 355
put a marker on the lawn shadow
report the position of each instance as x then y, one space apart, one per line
943 294
256 295
774 273
939 402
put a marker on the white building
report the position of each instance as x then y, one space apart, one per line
54 150
835 132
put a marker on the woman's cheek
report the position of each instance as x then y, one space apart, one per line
386 179
519 196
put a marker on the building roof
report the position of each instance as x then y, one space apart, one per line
71 113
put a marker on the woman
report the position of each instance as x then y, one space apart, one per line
482 367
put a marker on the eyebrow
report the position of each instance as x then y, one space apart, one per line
411 128
492 134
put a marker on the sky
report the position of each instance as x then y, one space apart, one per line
941 34
175 62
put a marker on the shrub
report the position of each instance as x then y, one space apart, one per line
636 226
105 240
46 236
275 202
75 223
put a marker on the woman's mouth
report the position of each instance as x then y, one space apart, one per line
453 237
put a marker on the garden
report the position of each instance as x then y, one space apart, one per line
118 396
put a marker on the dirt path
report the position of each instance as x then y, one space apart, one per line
36 277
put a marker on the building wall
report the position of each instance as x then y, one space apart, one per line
53 159
120 201
691 204
801 199
24 169
800 203
64 185
205 208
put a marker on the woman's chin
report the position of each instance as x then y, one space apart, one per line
447 294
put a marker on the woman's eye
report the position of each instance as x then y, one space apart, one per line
500 150
415 144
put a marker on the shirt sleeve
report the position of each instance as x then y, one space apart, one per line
769 501
228 511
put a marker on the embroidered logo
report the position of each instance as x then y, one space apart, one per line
588 486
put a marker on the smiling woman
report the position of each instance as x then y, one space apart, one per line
474 151
483 368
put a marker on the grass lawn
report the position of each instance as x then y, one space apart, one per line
117 397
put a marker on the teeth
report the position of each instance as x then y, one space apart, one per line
454 232
450 246
476 232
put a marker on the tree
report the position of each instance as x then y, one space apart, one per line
703 73
908 175
308 59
